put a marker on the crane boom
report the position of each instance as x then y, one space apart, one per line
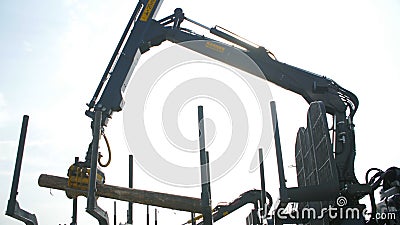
144 32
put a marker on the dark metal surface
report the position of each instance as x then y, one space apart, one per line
155 216
146 33
204 170
130 204
92 207
119 70
115 54
318 181
281 172
252 218
75 205
312 87
264 208
248 197
315 163
115 213
148 216
192 220
13 209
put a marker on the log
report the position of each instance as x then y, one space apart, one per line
159 199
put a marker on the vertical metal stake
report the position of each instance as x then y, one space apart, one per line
205 179
281 172
115 212
155 216
208 174
18 161
193 219
75 205
130 205
13 209
148 215
263 198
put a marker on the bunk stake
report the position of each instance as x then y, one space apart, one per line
148 215
263 197
75 205
193 220
205 171
281 172
130 205
115 212
155 216
13 209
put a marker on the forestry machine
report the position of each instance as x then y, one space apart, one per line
143 32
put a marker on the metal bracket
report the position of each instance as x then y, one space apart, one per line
13 209
92 207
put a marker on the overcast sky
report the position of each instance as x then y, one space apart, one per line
53 54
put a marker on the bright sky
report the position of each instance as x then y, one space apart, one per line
54 53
